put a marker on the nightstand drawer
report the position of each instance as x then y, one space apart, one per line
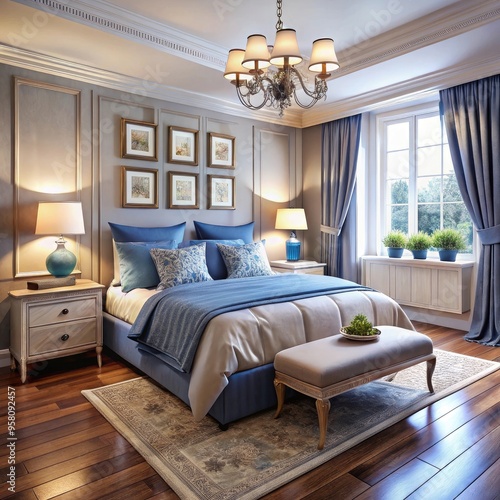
64 310
51 338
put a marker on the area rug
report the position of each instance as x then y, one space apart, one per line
258 454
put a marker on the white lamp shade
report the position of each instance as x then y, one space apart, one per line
256 53
293 219
60 218
234 69
285 46
323 57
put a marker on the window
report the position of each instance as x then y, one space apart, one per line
420 190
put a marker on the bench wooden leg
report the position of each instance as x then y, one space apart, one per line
323 408
280 394
431 365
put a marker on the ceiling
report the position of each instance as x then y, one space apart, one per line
389 50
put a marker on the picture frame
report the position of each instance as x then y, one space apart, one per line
183 189
139 187
138 140
221 151
182 146
221 192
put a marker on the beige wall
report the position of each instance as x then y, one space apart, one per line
61 141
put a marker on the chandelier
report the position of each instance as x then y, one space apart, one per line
267 76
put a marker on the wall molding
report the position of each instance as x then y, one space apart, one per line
437 26
369 101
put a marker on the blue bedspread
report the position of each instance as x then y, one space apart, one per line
172 321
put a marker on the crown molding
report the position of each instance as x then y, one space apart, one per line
440 25
42 63
369 101
113 19
402 91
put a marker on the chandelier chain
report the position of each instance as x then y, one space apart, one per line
279 12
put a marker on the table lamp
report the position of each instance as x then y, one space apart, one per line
293 219
60 218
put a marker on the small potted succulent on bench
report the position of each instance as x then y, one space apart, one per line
360 328
418 244
448 242
395 242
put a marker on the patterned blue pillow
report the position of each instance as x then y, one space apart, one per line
183 265
245 260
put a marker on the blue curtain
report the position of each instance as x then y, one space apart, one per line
472 120
339 155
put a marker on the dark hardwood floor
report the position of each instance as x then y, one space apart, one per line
66 449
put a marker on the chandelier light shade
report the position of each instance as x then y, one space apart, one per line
256 53
286 49
60 218
323 57
234 68
292 219
270 78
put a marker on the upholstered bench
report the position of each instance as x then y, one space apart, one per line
327 367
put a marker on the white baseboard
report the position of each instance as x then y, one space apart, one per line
4 357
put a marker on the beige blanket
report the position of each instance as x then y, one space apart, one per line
252 337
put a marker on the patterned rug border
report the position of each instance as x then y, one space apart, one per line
177 483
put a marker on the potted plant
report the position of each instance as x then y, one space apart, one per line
448 242
395 242
418 244
360 326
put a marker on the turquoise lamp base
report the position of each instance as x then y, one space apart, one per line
61 262
292 249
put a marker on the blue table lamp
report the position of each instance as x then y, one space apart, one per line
293 219
60 218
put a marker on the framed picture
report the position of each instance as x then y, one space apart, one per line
138 140
182 146
221 192
139 187
183 190
220 151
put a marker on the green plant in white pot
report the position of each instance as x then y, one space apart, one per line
395 242
448 242
418 244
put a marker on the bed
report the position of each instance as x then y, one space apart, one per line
230 375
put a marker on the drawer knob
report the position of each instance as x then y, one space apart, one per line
65 337
65 311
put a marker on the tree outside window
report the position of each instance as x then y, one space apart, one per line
421 190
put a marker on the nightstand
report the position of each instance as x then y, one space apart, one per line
298 266
55 322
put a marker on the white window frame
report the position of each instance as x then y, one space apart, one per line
403 114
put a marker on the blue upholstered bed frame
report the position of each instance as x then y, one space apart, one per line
247 393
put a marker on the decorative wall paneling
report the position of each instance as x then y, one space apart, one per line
47 165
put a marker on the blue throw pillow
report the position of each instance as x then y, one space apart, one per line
134 233
137 269
246 261
213 232
215 262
